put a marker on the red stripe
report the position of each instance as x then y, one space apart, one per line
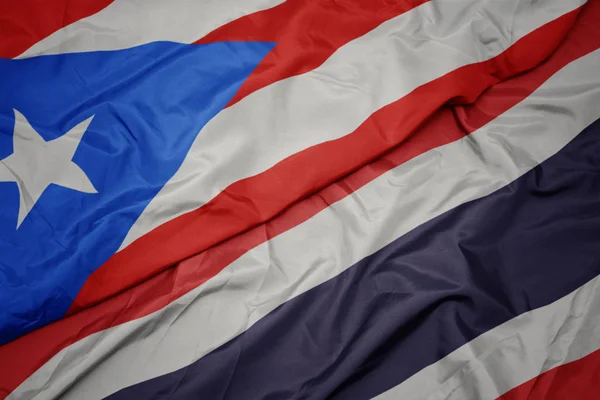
270 192
306 33
578 380
29 352
23 23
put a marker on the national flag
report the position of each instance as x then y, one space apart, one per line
392 199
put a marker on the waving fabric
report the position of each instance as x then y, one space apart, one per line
269 199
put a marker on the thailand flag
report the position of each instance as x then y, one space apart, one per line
300 199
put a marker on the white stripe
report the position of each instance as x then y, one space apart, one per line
333 100
128 23
513 353
327 244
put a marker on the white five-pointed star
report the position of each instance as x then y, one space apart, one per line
36 163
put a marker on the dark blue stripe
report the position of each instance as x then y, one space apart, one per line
418 299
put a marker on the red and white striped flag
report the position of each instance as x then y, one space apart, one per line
307 199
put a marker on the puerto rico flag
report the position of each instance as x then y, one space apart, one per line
300 199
